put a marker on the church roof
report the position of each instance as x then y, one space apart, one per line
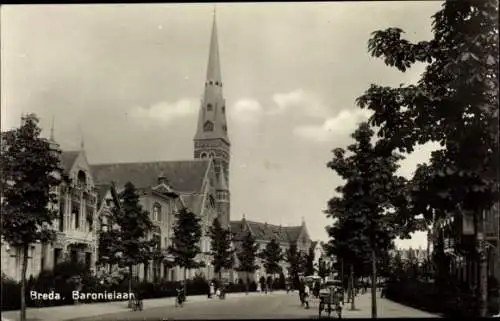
184 176
68 158
102 190
193 202
266 232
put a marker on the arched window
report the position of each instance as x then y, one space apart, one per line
156 212
223 109
81 179
209 107
203 155
208 126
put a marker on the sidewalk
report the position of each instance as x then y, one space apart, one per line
69 312
385 309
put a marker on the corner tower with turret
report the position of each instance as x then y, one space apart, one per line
211 139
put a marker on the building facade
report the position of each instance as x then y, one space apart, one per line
200 184
263 233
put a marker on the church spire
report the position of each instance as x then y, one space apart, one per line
212 123
213 69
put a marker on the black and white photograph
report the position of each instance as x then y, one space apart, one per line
239 160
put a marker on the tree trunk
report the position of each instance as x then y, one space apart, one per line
24 267
130 285
185 283
353 293
483 268
374 284
342 278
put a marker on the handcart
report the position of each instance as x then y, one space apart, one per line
330 300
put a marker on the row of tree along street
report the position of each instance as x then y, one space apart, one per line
455 104
31 170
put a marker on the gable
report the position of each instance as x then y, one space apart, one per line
183 176
68 159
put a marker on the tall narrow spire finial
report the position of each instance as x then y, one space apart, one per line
52 129
82 141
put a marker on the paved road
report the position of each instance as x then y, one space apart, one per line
274 306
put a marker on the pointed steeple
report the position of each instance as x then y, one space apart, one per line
52 139
212 123
213 70
82 141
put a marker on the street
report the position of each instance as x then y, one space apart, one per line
274 306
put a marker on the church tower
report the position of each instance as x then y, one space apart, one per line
211 139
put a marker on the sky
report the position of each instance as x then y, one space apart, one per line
127 79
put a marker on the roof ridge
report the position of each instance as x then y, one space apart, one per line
152 161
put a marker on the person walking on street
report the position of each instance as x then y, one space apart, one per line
301 293
307 293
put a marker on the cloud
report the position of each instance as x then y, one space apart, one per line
342 125
308 102
246 111
166 111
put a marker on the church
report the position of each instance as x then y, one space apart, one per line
201 184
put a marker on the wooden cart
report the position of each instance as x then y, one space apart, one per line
331 301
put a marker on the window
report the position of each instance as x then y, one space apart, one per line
75 210
217 83
157 212
208 127
61 214
81 179
108 201
224 128
90 219
165 241
57 256
223 109
203 155
209 107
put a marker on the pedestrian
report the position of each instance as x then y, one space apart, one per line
211 289
307 293
301 293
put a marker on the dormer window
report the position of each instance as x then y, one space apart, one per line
208 127
209 107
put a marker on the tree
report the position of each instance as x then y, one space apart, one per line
30 171
130 225
323 268
295 260
309 262
221 251
185 242
455 103
247 255
272 256
369 210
